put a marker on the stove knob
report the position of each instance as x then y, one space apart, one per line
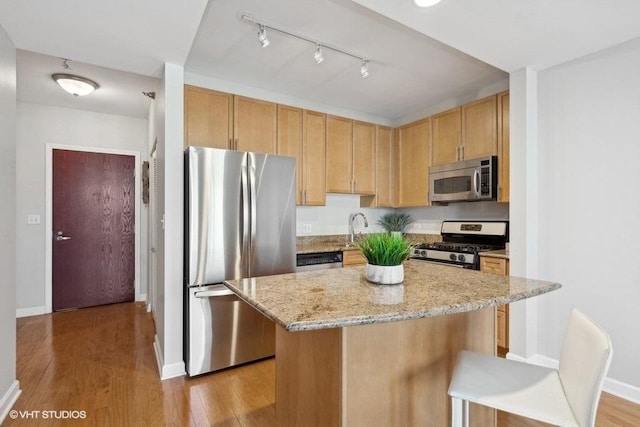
462 258
452 257
423 253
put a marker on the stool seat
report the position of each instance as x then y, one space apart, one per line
566 397
519 388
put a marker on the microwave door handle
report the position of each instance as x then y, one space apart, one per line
476 182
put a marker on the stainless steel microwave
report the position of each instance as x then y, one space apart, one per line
467 181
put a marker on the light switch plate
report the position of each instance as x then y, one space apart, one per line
33 219
306 228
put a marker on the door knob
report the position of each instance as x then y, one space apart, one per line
61 236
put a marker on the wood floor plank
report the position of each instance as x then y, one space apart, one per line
101 360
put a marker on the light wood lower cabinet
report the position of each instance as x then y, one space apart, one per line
353 257
499 266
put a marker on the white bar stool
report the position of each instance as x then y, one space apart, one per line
568 396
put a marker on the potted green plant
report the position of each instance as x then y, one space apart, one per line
384 253
395 222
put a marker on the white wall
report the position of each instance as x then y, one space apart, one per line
428 220
38 125
589 203
9 386
169 290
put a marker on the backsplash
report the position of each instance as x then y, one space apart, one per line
333 219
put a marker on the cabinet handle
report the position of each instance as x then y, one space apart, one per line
458 153
462 153
230 143
236 144
355 187
305 197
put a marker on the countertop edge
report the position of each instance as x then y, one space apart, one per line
367 320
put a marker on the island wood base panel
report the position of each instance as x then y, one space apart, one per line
387 374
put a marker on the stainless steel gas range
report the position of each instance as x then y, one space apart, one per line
462 241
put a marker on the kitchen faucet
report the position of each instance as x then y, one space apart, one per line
352 219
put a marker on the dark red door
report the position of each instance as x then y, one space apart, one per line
93 229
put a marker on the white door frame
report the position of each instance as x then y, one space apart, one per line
48 220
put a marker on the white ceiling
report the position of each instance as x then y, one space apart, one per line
409 70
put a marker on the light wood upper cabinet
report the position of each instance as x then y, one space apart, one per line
414 142
364 158
290 138
480 128
339 155
446 136
313 175
503 147
221 120
301 135
254 125
208 118
384 166
351 152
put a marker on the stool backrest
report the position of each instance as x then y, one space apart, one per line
584 361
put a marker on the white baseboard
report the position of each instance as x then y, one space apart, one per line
142 297
9 399
30 311
617 388
167 371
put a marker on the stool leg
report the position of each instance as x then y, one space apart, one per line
459 412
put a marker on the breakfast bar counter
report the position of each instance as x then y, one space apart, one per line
350 353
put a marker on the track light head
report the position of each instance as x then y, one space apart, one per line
318 55
364 68
262 36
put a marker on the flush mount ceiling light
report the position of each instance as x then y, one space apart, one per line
426 3
75 85
262 38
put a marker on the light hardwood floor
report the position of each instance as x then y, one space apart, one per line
101 360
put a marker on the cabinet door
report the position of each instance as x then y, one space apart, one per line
413 163
480 128
339 155
208 117
314 183
364 158
290 141
254 125
446 137
503 147
384 167
353 258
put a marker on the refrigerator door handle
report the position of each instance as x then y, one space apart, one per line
254 219
245 219
216 293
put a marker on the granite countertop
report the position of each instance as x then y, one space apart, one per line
342 297
335 243
500 253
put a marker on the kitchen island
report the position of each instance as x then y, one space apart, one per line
349 353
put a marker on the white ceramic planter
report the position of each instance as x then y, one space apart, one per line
385 275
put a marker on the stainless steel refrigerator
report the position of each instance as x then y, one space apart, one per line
239 222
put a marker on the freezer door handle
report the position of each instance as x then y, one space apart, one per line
245 219
253 208
213 293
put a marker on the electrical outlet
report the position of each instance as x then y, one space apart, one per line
306 228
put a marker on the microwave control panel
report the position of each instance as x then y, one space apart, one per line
485 181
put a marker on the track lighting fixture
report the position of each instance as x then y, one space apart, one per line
262 36
264 41
364 68
318 55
